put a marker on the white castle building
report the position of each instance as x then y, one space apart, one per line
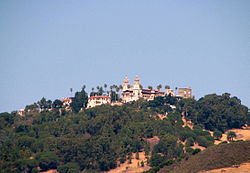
135 91
98 100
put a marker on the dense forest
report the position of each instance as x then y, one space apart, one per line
99 139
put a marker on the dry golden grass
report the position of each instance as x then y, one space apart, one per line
242 168
134 167
50 171
197 146
242 134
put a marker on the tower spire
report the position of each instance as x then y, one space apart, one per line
125 84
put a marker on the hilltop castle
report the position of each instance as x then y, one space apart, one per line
135 92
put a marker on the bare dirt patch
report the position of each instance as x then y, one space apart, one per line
153 141
187 123
50 171
134 167
197 146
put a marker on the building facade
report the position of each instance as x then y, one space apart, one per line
134 92
66 101
98 100
185 92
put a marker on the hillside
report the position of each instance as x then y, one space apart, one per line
108 138
219 156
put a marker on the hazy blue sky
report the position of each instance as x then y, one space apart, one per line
49 46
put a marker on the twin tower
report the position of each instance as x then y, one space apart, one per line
135 91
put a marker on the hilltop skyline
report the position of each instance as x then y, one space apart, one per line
48 47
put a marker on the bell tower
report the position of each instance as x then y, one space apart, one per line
137 88
125 84
136 83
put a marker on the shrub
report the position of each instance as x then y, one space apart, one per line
202 140
217 134
69 167
190 142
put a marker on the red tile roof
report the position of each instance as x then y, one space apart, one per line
65 99
99 97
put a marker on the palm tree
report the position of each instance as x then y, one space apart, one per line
167 87
159 86
101 91
83 87
105 87
176 88
71 90
117 89
97 89
92 93
150 87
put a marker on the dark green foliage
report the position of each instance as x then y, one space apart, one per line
45 104
31 107
47 160
217 134
25 141
161 104
186 133
93 140
137 156
166 149
231 135
193 151
57 104
114 96
204 141
213 111
156 159
69 167
6 119
189 142
25 165
223 142
79 101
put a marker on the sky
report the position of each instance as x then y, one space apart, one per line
48 47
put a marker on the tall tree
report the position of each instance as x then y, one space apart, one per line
159 86
105 87
83 87
79 101
167 87
231 135
57 104
71 90
100 91
44 104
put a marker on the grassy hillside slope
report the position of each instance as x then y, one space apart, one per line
219 156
